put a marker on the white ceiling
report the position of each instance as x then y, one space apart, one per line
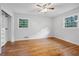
30 8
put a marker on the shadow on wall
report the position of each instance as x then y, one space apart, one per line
43 33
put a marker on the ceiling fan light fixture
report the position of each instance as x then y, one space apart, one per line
45 7
44 10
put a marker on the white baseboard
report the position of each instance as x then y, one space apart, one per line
66 40
45 38
30 39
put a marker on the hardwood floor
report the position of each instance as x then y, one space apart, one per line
40 47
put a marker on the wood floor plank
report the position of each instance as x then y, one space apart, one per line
40 47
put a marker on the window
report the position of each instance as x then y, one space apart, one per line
71 21
23 23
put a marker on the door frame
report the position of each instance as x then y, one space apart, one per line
12 26
0 29
5 29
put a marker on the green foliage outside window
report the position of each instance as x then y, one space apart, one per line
23 23
71 21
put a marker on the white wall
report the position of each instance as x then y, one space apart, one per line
36 24
68 34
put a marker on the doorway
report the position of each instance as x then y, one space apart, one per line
5 28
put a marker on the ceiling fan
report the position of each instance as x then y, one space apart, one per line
45 7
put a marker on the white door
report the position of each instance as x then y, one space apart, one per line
4 30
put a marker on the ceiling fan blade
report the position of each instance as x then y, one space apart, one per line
51 8
49 4
44 5
38 5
